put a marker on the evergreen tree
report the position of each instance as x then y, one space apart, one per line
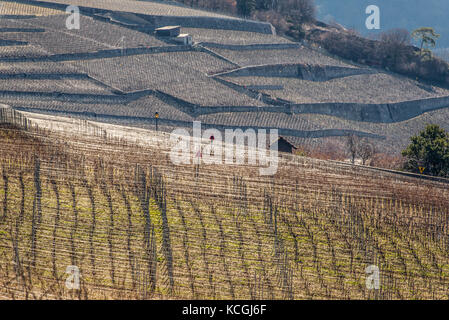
430 150
428 38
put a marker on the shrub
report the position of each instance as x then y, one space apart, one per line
273 17
391 52
299 11
387 161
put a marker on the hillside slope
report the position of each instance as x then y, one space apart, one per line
107 200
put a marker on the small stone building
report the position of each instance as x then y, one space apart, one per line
168 31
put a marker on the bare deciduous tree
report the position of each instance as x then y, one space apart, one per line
357 147
300 11
352 143
365 150
396 36
394 45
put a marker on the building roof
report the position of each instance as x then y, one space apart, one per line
288 141
168 28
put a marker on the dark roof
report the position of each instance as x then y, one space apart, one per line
168 28
288 141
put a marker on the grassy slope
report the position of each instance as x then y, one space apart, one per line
308 232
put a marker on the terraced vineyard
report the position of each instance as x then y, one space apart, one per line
372 88
139 227
237 72
8 8
109 201
278 56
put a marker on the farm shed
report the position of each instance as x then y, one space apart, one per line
185 39
285 146
168 31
